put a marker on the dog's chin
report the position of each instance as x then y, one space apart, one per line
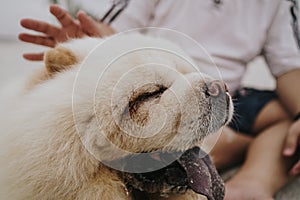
173 173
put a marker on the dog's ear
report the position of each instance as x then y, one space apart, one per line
56 60
59 59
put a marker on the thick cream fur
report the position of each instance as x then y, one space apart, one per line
55 131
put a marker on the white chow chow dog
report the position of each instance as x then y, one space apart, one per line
76 129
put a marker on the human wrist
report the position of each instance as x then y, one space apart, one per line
297 116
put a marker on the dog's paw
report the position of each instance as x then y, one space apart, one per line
59 59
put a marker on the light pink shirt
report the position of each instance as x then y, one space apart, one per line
233 32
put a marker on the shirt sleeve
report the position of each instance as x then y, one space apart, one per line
137 15
281 49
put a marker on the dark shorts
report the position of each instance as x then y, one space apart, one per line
248 103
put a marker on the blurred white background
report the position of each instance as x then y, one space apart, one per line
11 11
13 65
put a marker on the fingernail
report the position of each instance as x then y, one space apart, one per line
288 151
81 11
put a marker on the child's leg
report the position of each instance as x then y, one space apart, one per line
231 147
265 169
228 150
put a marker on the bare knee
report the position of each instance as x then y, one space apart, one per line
271 114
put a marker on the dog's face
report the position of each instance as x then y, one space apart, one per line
142 101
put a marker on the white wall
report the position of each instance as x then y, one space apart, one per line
11 11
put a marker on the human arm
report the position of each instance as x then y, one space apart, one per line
70 28
282 53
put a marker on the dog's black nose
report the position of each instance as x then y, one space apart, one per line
216 88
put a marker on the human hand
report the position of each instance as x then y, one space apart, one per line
51 34
291 144
70 28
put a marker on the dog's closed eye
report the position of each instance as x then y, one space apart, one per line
145 93
141 99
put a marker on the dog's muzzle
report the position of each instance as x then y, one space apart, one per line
192 170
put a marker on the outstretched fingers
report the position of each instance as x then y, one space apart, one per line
40 40
40 26
51 34
37 39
